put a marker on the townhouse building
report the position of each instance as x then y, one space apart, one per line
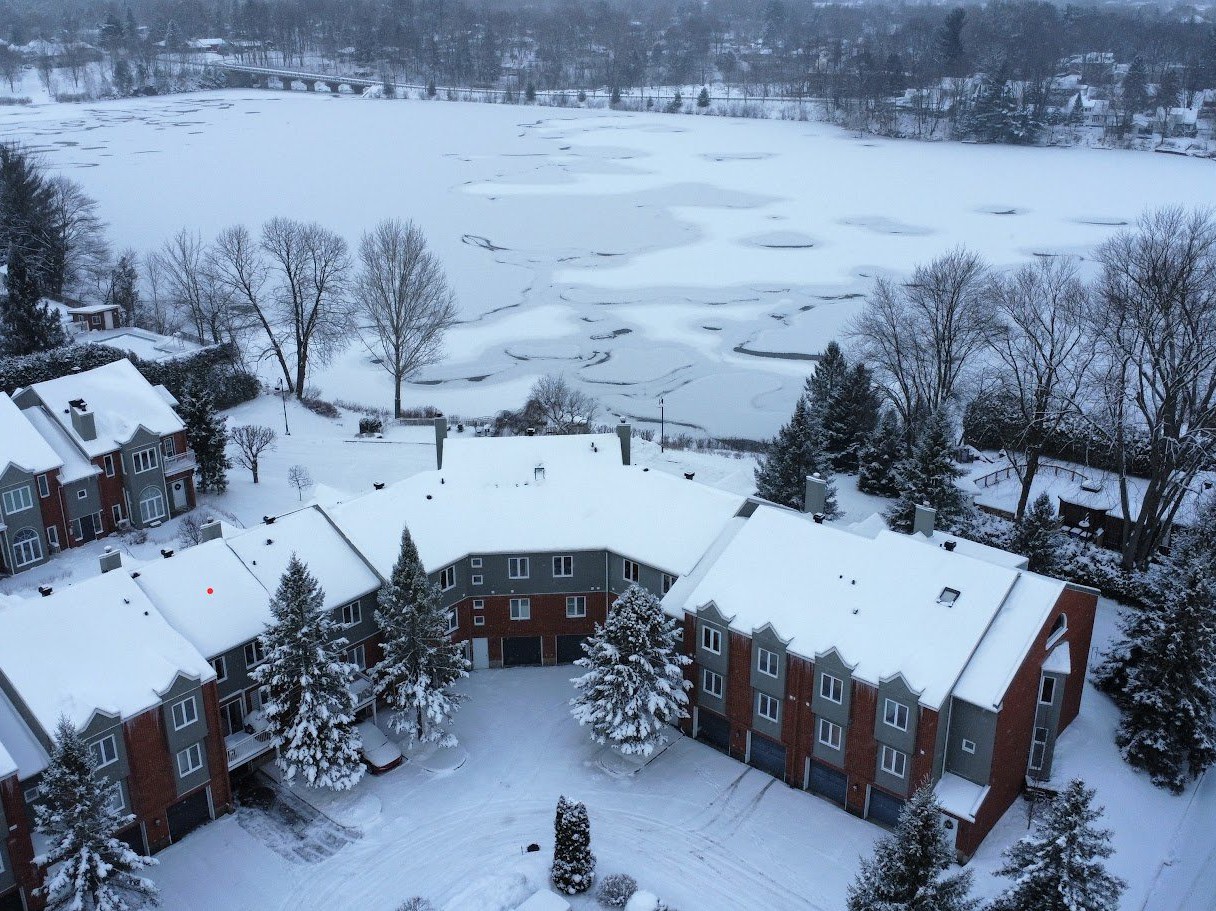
17 871
31 517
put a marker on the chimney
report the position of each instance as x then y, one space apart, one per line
110 559
210 530
625 434
441 433
166 553
83 420
815 500
923 523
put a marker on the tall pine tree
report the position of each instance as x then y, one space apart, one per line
850 417
796 452
634 684
90 867
573 863
828 378
928 476
420 661
1059 866
1037 536
880 456
311 712
207 435
27 322
907 871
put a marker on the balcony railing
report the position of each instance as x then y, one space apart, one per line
361 689
245 745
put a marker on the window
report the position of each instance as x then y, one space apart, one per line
255 654
82 494
894 762
18 499
151 504
475 562
220 665
476 579
104 751
95 320
479 620
831 688
767 707
1038 749
829 734
668 581
711 683
711 639
1058 629
116 512
189 760
358 657
447 579
521 608
232 716
576 606
517 567
144 459
633 571
27 547
895 714
968 746
44 488
563 567
453 621
948 596
32 794
115 801
1047 690
767 662
352 613
169 447
52 535
263 696
479 603
108 463
184 713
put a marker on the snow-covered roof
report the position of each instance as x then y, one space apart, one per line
975 549
879 603
308 533
960 797
490 498
208 595
91 309
1060 660
25 751
120 398
75 466
8 765
145 345
113 651
23 444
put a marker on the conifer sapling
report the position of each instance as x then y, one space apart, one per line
573 863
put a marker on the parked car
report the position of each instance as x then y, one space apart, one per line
380 754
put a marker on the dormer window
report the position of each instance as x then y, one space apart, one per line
948 596
1058 629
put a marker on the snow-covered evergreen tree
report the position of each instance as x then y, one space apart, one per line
573 863
796 452
208 438
1037 537
907 871
1169 701
311 710
928 476
634 683
880 456
420 660
27 323
850 418
90 868
827 379
1059 866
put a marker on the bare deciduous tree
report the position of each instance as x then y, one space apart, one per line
1155 315
404 302
155 313
203 302
251 440
237 262
299 478
77 250
921 337
564 408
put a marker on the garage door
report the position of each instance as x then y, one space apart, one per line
768 756
520 650
884 809
133 836
828 782
187 815
570 649
713 729
11 901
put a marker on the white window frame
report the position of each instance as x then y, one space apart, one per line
352 614
107 462
157 496
631 570
32 794
116 512
52 535
517 568
830 734
357 655
147 457
968 746
563 567
453 621
193 755
711 634
1059 628
189 713
476 579
27 547
82 494
1041 746
520 608
475 562
834 685
712 683
259 653
763 701
576 606
1047 683
667 582
766 660
894 762
219 664
17 499
479 604
44 487
479 619
117 801
97 750
447 578
893 707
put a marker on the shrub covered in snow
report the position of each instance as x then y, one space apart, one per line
616 890
573 862
417 903
371 425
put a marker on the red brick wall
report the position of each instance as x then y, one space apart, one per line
217 754
797 726
739 692
111 491
548 621
861 749
926 743
52 509
18 841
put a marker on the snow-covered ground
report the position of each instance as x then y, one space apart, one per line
702 259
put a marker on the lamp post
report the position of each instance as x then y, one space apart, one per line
283 394
662 425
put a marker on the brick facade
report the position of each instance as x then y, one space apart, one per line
548 620
18 841
53 513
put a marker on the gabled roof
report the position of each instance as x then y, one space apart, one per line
23 446
76 465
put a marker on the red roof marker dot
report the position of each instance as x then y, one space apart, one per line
211 591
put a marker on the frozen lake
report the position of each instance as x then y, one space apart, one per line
701 259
